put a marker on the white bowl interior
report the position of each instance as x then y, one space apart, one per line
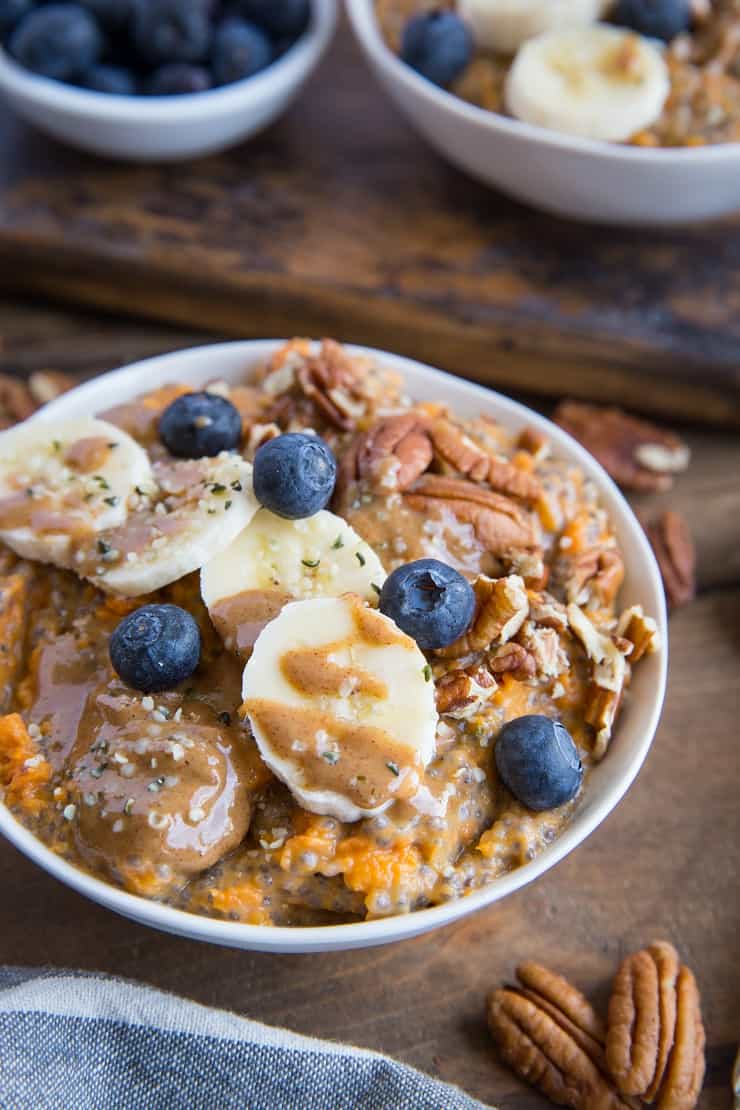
564 174
608 781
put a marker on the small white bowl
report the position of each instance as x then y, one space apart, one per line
168 128
568 176
607 782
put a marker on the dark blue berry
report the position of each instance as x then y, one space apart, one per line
110 79
178 79
155 647
61 41
11 13
538 761
280 18
112 14
294 475
430 601
197 425
239 50
438 45
658 19
171 30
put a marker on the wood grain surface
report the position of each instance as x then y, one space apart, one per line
340 217
664 864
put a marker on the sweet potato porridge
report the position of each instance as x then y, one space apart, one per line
301 651
594 68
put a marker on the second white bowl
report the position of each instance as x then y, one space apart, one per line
568 176
168 128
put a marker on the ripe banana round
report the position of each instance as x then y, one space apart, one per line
597 82
341 704
276 560
200 507
503 25
61 484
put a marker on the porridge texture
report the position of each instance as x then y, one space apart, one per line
173 793
703 69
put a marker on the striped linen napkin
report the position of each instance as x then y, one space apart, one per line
73 1041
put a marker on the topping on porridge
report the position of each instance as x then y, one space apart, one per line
341 707
258 741
551 62
275 560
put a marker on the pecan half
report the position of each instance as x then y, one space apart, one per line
566 1005
637 454
457 451
655 1037
391 455
544 1054
634 1024
667 964
16 402
499 523
674 549
464 691
685 1072
512 659
502 606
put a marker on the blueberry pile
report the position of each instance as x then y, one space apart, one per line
150 47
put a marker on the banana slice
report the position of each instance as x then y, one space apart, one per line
598 82
60 484
503 25
341 704
274 561
200 507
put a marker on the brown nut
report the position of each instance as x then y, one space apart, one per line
542 1053
674 549
637 454
634 1024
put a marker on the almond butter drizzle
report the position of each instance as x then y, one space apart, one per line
88 454
360 761
312 671
240 619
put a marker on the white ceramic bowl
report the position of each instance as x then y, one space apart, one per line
168 128
607 782
568 176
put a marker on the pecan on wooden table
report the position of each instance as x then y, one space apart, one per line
674 549
549 1034
637 454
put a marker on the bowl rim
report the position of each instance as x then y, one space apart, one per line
365 26
297 61
400 926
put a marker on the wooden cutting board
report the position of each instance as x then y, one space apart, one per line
340 221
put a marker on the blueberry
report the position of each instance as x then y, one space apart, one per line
658 19
11 13
430 601
110 79
438 45
109 13
538 761
294 475
171 30
197 425
155 647
239 50
178 79
280 18
60 41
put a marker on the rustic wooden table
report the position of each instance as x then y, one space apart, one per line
666 863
